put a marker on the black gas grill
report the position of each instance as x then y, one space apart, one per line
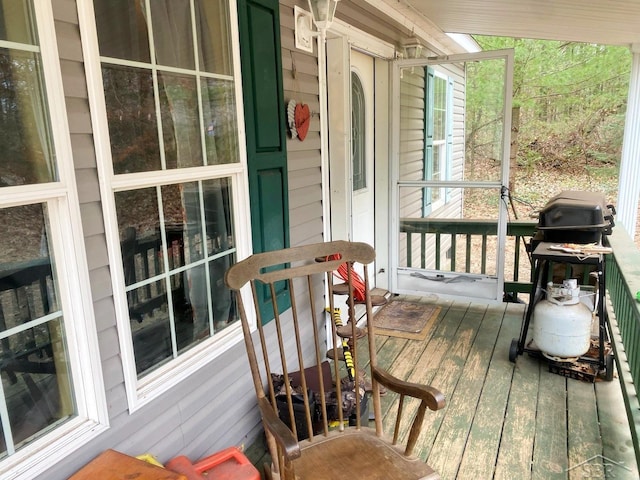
575 217
571 217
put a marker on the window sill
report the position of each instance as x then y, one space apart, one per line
140 392
42 454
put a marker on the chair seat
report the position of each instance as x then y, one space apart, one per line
357 454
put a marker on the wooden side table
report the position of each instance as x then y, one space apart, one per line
112 465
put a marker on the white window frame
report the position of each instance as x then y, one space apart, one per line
441 145
140 391
67 243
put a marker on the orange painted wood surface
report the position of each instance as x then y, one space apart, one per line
112 465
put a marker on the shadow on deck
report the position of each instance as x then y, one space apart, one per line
505 420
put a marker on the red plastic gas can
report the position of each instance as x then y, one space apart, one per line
228 464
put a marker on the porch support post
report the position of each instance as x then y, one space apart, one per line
324 133
629 184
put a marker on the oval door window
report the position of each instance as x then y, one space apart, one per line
358 140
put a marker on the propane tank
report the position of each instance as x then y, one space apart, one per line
562 323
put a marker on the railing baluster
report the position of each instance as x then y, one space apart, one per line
516 258
483 266
453 252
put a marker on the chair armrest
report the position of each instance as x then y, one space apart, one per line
285 439
429 397
433 397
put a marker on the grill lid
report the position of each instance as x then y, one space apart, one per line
573 214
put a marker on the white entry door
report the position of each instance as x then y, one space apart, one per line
362 148
350 89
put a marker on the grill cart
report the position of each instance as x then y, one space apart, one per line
568 313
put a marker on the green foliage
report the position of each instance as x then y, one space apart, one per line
571 99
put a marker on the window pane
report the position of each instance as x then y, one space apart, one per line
131 114
26 280
16 23
36 384
429 242
140 241
224 306
189 118
183 223
196 111
191 307
182 293
36 390
172 33
150 325
439 108
218 214
221 121
438 152
25 135
122 29
484 88
212 23
180 120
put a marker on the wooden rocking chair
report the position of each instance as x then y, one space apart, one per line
292 345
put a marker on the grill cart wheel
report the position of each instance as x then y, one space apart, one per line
608 362
513 350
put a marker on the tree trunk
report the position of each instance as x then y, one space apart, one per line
515 128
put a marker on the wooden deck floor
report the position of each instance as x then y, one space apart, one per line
505 420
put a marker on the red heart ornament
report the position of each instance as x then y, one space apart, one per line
302 118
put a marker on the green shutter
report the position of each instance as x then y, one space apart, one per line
264 110
428 138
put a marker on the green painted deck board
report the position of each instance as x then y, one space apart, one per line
616 438
483 443
454 431
426 355
550 445
440 365
518 433
584 440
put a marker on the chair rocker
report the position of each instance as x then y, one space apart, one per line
322 441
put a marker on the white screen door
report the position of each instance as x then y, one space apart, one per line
450 145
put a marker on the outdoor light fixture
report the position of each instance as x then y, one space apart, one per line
412 48
323 12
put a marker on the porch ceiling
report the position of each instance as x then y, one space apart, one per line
612 22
